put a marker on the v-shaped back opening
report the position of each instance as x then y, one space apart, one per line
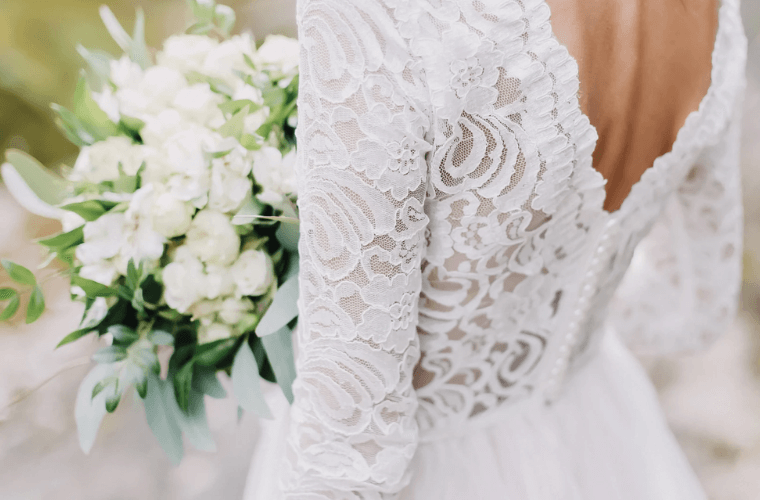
668 143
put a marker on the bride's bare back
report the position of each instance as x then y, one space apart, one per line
644 66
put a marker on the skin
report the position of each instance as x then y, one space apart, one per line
644 66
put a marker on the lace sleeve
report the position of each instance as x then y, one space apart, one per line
681 291
362 177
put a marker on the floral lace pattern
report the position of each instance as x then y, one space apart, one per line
450 216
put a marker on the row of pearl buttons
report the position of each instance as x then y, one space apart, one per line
588 289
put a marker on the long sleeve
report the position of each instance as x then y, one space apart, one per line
362 178
681 291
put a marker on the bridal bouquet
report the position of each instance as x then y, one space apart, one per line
179 222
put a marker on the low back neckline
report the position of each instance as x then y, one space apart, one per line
690 127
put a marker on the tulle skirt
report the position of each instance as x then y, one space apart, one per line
605 438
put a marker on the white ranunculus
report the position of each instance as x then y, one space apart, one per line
214 331
186 52
232 310
100 162
171 216
253 273
103 239
200 104
275 173
140 241
212 238
279 50
219 281
183 282
125 73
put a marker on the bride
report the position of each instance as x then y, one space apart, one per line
498 199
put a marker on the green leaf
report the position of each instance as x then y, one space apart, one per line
279 349
75 335
93 288
235 125
246 383
89 411
224 17
233 107
103 384
200 28
110 354
47 186
119 34
99 63
133 125
204 10
205 382
10 308
217 85
36 305
160 337
282 310
123 334
142 387
112 402
7 293
138 51
162 418
194 424
75 130
63 241
182 383
94 119
213 352
18 273
89 210
287 234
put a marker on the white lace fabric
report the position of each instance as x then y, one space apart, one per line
452 221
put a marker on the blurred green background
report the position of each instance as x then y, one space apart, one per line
712 400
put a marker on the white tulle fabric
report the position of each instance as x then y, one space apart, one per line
462 287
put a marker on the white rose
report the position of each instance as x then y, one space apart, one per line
183 282
171 216
275 173
226 57
280 50
100 162
230 185
214 331
186 52
219 281
158 128
233 310
200 104
212 238
253 273
204 310
153 93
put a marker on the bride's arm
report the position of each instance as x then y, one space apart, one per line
681 291
362 177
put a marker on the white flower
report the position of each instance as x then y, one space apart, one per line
228 56
108 102
183 281
171 216
125 73
154 92
102 239
232 310
214 331
253 273
161 126
230 185
100 162
219 281
104 272
139 240
186 52
70 220
279 50
212 238
275 173
245 91
200 104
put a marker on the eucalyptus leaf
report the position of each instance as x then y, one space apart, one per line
10 308
235 125
205 381
213 352
194 423
36 305
160 337
279 349
182 383
246 383
89 411
48 187
123 334
19 273
288 234
162 418
282 310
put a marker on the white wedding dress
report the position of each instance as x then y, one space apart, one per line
465 298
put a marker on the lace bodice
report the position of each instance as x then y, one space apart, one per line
455 253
